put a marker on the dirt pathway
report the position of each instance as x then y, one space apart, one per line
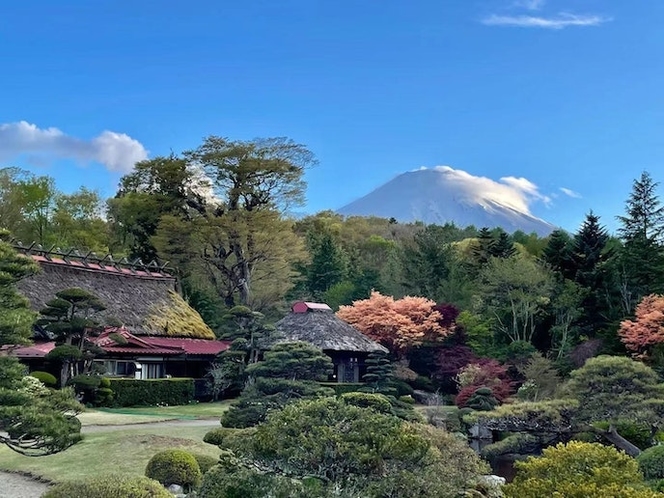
212 422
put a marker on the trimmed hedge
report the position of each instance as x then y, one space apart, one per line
112 486
205 462
45 378
343 388
174 467
150 392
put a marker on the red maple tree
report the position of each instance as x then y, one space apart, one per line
646 331
398 324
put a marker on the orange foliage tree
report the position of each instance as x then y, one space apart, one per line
398 324
646 331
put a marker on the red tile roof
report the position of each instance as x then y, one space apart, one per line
144 345
107 268
36 350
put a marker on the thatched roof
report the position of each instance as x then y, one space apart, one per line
320 327
143 300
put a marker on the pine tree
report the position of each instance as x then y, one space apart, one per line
380 373
590 256
558 253
503 247
328 265
642 233
484 246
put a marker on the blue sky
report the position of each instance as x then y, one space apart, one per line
563 93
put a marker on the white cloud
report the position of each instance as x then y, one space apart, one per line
517 193
530 4
570 193
560 21
115 151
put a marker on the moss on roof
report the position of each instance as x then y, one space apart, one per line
175 318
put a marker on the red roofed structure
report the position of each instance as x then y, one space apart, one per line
160 334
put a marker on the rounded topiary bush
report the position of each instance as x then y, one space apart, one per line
112 486
46 378
205 462
174 467
651 463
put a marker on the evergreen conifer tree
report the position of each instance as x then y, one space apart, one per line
642 232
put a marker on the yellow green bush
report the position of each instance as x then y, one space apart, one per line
110 486
579 470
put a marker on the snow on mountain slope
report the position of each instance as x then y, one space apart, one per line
443 194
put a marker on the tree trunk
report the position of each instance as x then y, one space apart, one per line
618 441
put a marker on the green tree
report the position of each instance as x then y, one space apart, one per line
358 451
380 373
591 266
557 254
16 317
483 248
70 318
328 265
253 183
155 188
289 371
33 419
514 291
503 247
642 232
606 390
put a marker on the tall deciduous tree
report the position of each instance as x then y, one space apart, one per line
399 324
642 232
514 291
253 183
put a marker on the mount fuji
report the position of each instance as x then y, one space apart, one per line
442 194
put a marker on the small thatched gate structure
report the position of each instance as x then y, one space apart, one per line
317 324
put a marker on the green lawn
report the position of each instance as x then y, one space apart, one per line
123 451
156 413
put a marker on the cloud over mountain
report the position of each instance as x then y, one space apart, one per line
115 151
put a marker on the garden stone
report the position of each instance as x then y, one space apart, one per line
176 489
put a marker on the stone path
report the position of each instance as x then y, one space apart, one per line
18 486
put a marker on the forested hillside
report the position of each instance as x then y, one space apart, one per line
218 215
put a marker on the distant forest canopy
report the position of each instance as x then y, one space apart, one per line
218 215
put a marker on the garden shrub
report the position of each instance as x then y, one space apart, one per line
422 383
225 437
579 470
174 467
403 388
205 462
150 392
85 385
46 378
377 402
111 486
651 462
482 400
343 388
221 481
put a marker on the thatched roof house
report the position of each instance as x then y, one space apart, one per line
155 334
317 324
142 298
